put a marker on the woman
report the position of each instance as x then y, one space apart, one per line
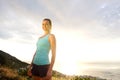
41 68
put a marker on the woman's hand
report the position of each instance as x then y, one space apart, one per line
29 72
49 75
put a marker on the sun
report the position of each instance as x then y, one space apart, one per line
68 68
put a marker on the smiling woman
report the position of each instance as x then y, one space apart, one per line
40 67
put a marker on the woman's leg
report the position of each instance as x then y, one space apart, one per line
47 79
36 78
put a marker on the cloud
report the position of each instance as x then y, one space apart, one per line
109 17
15 22
22 18
5 34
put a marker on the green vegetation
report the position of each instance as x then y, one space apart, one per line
10 74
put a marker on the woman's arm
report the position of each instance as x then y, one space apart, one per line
52 41
30 66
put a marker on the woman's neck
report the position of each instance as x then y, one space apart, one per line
46 33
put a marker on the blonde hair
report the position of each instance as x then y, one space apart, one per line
50 22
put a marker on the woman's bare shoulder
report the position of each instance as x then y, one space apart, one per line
52 36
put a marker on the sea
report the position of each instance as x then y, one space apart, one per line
105 70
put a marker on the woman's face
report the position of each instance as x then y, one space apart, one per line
45 25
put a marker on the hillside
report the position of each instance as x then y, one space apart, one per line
11 61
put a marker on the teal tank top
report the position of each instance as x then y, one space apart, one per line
42 53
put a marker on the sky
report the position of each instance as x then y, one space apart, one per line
85 30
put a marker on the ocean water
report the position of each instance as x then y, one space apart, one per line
105 70
109 71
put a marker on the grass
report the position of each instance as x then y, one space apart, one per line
10 74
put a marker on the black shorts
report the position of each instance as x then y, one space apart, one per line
40 70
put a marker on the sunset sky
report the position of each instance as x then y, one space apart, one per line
86 30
